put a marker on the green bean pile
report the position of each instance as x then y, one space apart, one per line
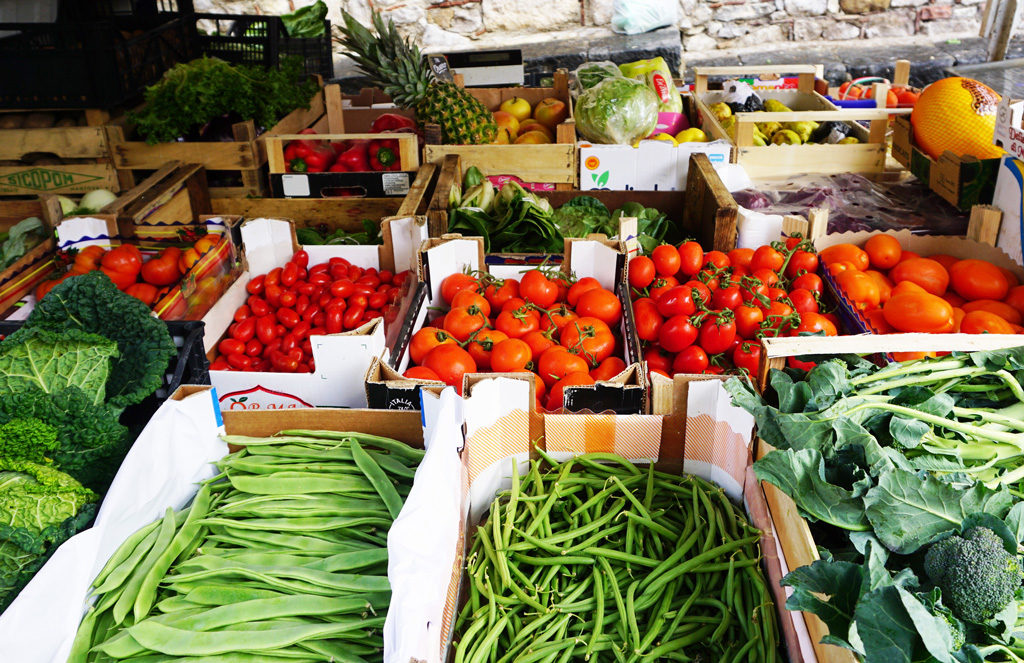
597 558
281 558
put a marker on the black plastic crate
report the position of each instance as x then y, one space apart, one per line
96 64
261 40
90 10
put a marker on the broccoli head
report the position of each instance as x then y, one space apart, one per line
27 439
976 574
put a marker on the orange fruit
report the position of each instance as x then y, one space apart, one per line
959 115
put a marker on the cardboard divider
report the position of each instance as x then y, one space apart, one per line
500 432
338 358
441 257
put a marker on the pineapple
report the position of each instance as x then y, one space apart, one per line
397 66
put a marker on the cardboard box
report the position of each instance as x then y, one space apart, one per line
341 359
655 165
199 288
368 184
439 258
705 209
500 431
925 245
962 181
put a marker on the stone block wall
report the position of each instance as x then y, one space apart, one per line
704 24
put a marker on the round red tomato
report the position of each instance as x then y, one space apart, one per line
716 259
803 301
677 333
810 282
815 322
557 362
557 317
518 322
801 262
499 292
423 341
482 345
641 272
666 260
576 290
125 258
718 332
511 356
740 259
453 283
765 257
730 298
590 337
747 357
537 288
661 285
692 360
539 342
691 258
468 297
677 300
608 369
700 291
748 320
450 362
421 373
601 304
648 320
161 271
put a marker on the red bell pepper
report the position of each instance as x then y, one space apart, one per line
392 122
355 158
384 154
317 160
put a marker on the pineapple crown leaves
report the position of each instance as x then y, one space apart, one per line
385 57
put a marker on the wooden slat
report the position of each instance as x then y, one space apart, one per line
437 210
214 156
65 142
245 134
345 213
710 207
62 179
332 102
901 73
419 192
554 162
13 211
984 224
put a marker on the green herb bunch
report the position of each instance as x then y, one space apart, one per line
193 93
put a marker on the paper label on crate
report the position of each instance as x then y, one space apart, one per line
1008 133
260 398
395 184
295 185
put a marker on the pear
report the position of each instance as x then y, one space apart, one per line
786 137
721 111
775 106
849 140
768 128
802 129
759 140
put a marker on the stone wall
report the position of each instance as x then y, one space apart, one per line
703 24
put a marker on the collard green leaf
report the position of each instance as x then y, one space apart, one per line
828 382
744 396
908 433
924 400
793 395
829 590
908 510
801 475
884 627
54 361
1015 521
932 630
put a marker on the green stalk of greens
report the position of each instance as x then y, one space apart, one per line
890 464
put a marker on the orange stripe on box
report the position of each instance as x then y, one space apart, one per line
715 442
507 436
599 433
638 436
564 433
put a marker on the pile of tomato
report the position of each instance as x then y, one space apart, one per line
289 304
899 291
562 330
125 265
706 312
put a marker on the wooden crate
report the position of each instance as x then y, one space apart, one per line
554 163
22 277
794 534
344 213
314 185
806 104
83 149
170 200
245 155
706 209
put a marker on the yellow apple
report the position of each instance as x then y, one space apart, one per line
534 125
691 135
532 137
507 121
518 107
551 112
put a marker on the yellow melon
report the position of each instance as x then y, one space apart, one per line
959 115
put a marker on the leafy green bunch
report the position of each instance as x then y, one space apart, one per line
193 93
912 475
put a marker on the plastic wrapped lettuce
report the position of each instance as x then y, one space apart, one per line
589 74
617 110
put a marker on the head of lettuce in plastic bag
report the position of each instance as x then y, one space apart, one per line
617 110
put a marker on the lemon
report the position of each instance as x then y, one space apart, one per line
691 135
665 137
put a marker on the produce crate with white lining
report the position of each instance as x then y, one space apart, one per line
439 258
805 105
340 359
794 534
499 433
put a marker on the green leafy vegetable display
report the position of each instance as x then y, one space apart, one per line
195 93
912 476
54 361
322 234
40 507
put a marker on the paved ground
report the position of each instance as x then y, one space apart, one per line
930 60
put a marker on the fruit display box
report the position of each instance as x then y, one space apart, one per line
924 245
199 288
341 359
244 157
345 213
369 183
552 163
805 104
793 531
706 210
500 432
80 145
441 257
962 181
